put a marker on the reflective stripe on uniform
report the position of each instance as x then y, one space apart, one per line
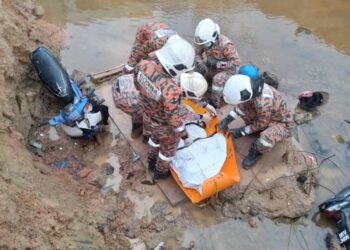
247 130
164 158
217 89
152 143
164 33
128 67
265 143
180 128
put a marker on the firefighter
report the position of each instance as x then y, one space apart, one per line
149 38
263 110
126 97
160 93
216 58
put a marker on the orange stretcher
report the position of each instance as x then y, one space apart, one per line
228 175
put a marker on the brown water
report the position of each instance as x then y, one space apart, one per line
305 42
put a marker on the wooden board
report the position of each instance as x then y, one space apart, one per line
106 75
172 192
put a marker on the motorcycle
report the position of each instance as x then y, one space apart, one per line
83 114
338 209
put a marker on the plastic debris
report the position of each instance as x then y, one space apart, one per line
59 165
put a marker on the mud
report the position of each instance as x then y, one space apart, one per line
281 189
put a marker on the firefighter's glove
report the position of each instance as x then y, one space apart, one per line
202 69
238 132
227 120
128 69
212 62
210 108
188 140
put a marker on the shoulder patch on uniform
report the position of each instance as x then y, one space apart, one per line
149 87
164 33
267 92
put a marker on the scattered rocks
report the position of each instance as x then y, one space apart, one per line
245 210
169 218
82 192
130 233
253 221
43 169
38 11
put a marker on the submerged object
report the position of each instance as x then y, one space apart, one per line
310 100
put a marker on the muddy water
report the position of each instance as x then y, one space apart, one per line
305 42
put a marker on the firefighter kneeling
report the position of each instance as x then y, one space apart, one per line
263 110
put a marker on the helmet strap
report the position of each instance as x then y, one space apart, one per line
257 86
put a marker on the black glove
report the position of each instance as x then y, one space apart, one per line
202 69
237 132
211 62
227 120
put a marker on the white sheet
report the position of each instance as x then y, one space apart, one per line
200 161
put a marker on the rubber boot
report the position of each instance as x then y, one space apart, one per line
145 139
160 175
162 169
253 156
152 161
153 150
136 130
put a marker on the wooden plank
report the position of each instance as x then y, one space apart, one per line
172 192
106 75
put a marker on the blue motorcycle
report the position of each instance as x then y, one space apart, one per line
82 115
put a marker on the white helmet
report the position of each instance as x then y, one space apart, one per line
206 33
238 89
193 85
176 56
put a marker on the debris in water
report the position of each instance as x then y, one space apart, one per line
302 30
340 139
253 221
